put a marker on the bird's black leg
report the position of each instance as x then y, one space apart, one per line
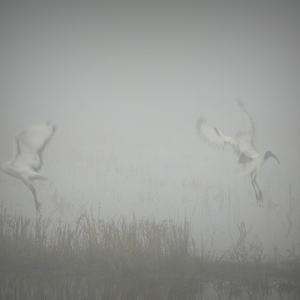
37 204
253 185
259 195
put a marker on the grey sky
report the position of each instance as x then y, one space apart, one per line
125 83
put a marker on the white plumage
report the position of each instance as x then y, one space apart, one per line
243 144
28 159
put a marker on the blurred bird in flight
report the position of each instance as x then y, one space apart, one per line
243 145
27 161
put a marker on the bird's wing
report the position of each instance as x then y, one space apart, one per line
213 135
250 133
36 137
252 128
31 143
246 138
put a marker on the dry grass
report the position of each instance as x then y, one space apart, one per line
136 259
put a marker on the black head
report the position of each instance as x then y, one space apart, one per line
269 154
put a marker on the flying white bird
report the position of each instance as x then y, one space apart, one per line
28 159
243 145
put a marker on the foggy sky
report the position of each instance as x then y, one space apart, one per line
125 82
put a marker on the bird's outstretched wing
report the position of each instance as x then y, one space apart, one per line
213 135
31 143
246 138
36 137
252 128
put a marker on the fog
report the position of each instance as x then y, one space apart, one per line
125 83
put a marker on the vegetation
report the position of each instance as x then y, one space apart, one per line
136 259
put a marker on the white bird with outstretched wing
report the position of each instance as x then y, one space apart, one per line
28 159
243 144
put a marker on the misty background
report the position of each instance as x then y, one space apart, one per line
125 83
